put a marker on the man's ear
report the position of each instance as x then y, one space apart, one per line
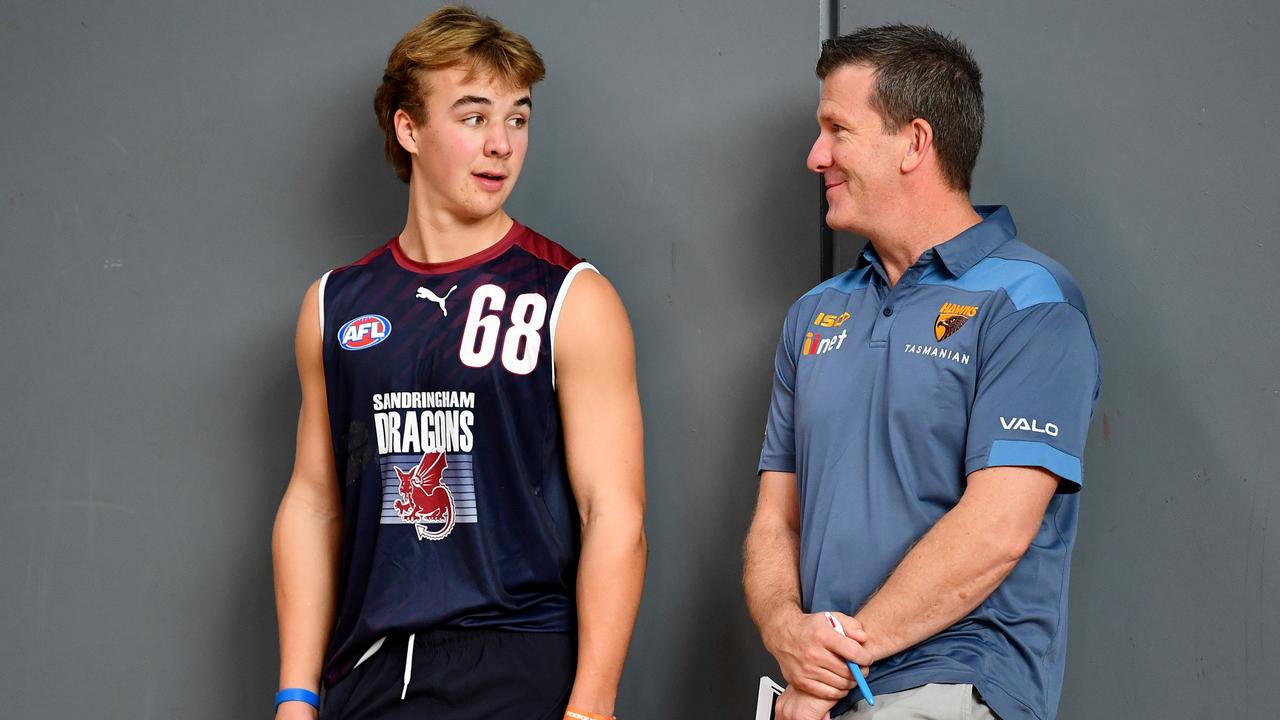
406 131
919 143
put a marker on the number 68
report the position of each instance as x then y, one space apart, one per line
521 342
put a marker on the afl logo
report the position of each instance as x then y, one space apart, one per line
364 332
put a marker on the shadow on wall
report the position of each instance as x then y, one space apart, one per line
724 355
342 214
251 660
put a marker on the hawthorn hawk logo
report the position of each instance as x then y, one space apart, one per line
951 318
424 498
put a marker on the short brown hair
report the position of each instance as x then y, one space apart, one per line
919 73
452 35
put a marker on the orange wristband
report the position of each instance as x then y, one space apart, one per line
576 714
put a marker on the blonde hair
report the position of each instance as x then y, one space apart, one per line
453 35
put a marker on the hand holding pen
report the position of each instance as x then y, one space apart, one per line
812 655
853 667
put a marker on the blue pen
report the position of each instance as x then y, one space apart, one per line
857 671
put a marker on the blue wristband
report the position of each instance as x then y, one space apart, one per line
301 694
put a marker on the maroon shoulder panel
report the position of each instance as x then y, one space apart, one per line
546 249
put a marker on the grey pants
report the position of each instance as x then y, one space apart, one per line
927 702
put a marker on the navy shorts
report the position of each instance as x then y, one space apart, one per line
460 675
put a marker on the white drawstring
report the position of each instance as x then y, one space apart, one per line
372 649
408 666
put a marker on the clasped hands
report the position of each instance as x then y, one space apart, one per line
812 658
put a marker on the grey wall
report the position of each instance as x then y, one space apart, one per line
173 175
1136 143
171 179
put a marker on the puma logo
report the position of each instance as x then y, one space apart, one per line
425 294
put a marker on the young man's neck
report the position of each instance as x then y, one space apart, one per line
919 225
437 237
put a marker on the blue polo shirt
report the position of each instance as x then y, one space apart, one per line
885 399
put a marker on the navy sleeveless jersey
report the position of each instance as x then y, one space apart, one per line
457 508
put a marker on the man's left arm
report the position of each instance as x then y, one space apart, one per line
600 410
1038 382
960 561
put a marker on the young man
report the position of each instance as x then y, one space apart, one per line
929 414
462 533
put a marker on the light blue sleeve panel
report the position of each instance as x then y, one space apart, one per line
1038 382
779 451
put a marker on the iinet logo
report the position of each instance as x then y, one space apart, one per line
1031 426
815 344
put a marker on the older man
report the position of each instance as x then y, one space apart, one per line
924 444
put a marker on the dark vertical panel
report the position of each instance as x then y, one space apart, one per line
1133 143
172 176
829 27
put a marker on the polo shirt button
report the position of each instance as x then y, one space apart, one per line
888 311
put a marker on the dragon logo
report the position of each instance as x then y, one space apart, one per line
424 498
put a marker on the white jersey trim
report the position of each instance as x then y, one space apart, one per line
324 280
555 309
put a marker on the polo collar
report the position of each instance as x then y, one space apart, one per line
964 250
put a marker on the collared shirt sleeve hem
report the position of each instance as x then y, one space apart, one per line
776 463
1029 453
778 451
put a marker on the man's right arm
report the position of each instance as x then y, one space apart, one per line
809 652
308 528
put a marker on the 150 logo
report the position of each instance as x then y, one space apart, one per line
520 342
829 320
